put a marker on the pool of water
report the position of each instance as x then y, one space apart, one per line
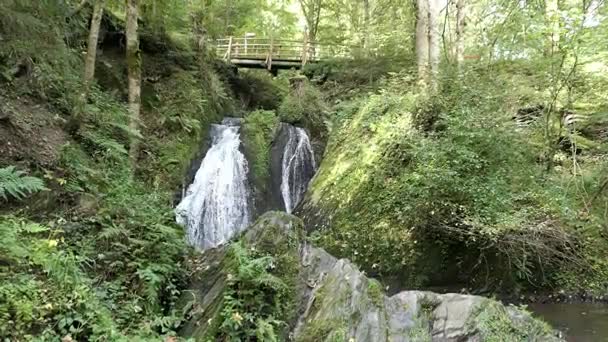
582 322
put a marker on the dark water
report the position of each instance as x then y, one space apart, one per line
584 322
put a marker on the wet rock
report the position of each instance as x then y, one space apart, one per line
276 165
337 302
273 232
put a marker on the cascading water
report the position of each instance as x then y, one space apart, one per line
298 167
216 205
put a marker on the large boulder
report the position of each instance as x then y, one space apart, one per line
337 302
341 303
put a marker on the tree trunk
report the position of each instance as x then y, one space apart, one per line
134 71
552 23
434 41
366 25
89 65
422 41
460 15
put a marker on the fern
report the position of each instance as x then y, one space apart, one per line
14 183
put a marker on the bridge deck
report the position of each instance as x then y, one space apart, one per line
273 54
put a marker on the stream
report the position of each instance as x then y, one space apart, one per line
580 322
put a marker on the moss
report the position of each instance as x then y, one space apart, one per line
332 330
494 324
375 292
421 331
304 106
258 131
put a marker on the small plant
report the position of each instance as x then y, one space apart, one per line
494 324
375 292
16 184
256 301
304 106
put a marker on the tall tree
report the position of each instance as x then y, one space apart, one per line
552 23
89 66
433 37
366 24
460 24
134 71
427 41
422 41
312 14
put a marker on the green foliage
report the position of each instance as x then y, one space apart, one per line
180 103
37 56
259 129
375 292
346 78
258 90
385 28
180 110
494 324
226 18
257 300
13 182
44 291
454 192
305 106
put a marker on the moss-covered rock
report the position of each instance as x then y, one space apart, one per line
274 235
343 303
258 131
333 301
304 106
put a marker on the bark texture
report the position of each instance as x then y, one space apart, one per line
552 22
89 66
433 37
460 24
422 40
134 71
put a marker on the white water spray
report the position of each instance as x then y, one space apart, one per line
298 167
216 207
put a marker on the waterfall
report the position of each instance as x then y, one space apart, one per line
298 166
216 206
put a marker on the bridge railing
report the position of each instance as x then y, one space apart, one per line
276 49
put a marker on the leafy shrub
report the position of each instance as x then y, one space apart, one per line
43 289
256 300
259 90
180 103
429 198
494 324
36 54
14 183
304 106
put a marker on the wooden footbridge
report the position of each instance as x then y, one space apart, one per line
274 54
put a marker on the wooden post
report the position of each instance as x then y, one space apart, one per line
305 50
229 52
269 59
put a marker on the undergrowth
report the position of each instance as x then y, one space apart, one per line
305 106
14 183
104 261
493 323
414 185
256 300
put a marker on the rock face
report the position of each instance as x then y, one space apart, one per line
337 302
276 165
